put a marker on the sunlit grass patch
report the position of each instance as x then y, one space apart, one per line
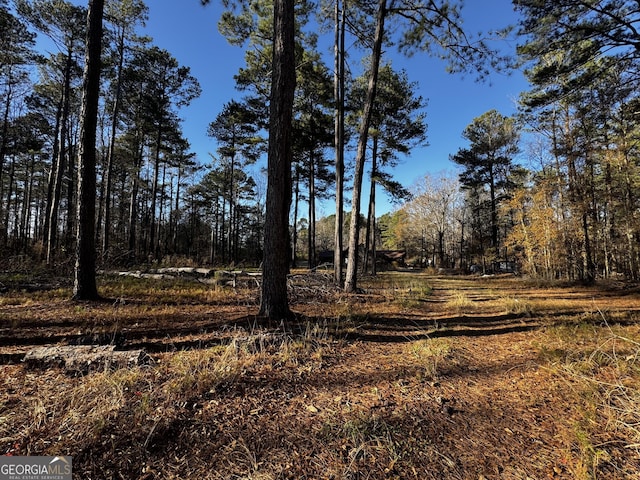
194 372
460 302
409 295
429 354
303 350
14 300
518 306
128 399
174 291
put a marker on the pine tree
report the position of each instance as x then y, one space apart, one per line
84 285
488 162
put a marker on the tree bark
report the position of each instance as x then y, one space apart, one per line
296 203
350 284
51 177
339 139
153 241
57 171
312 211
370 237
274 303
3 149
7 213
111 150
84 287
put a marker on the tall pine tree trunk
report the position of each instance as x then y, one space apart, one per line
350 284
312 212
69 230
26 227
7 213
154 194
370 237
52 176
3 149
84 286
57 173
296 203
274 303
111 150
339 138
133 206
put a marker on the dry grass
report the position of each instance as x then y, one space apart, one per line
601 365
430 354
363 386
518 306
461 303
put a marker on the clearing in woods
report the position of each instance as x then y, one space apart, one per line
426 377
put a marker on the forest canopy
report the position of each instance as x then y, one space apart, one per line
552 192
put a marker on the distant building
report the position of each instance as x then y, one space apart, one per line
386 257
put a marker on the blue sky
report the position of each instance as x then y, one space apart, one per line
190 33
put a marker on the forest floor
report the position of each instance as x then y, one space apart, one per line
418 376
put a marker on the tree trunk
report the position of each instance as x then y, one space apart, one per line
56 186
371 227
84 287
223 240
232 207
160 241
133 208
494 209
339 139
354 227
26 228
369 242
312 212
3 149
588 266
296 203
7 213
21 231
52 176
154 194
110 152
72 155
274 303
313 257
174 239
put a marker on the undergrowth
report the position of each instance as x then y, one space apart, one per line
357 391
460 302
429 355
601 363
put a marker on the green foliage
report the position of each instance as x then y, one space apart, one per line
493 142
489 161
565 38
17 42
436 28
582 62
60 20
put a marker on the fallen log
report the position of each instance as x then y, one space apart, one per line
153 276
84 358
